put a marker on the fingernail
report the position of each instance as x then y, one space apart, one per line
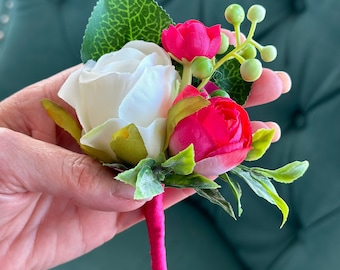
122 190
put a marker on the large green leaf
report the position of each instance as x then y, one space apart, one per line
228 78
114 23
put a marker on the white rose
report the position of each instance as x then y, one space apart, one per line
135 85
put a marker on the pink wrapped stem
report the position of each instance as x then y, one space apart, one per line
155 221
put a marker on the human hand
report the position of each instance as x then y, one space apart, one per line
57 204
268 88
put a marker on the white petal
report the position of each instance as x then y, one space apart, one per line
151 97
101 136
103 97
150 48
122 61
71 93
154 136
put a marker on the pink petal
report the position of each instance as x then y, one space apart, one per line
220 164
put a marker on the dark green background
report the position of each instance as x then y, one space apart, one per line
44 37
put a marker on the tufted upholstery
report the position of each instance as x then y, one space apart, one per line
43 36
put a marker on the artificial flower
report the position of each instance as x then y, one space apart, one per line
220 132
134 85
191 39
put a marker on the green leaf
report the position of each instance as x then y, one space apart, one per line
128 145
96 154
193 180
263 187
261 141
180 110
183 163
286 174
114 23
115 166
62 118
228 78
147 184
130 176
214 196
236 190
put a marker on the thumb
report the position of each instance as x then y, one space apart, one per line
30 165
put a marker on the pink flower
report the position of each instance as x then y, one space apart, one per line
221 134
190 39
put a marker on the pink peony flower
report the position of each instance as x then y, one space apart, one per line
190 39
221 134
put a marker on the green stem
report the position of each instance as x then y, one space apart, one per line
186 76
239 45
251 30
234 53
237 34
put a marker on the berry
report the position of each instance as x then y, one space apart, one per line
224 44
202 67
234 14
256 13
251 70
249 52
268 53
220 93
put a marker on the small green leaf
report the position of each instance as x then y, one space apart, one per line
193 180
147 184
130 176
260 143
96 154
182 163
214 196
62 118
228 78
128 145
286 174
263 187
180 110
114 23
236 190
115 166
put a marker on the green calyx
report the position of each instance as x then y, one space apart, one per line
149 176
128 145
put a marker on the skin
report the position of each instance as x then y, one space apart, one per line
56 203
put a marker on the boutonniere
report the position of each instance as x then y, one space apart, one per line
161 102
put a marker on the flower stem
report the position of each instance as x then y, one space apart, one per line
186 76
154 215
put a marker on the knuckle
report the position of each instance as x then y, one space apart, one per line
81 172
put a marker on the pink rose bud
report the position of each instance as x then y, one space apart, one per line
190 39
221 134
